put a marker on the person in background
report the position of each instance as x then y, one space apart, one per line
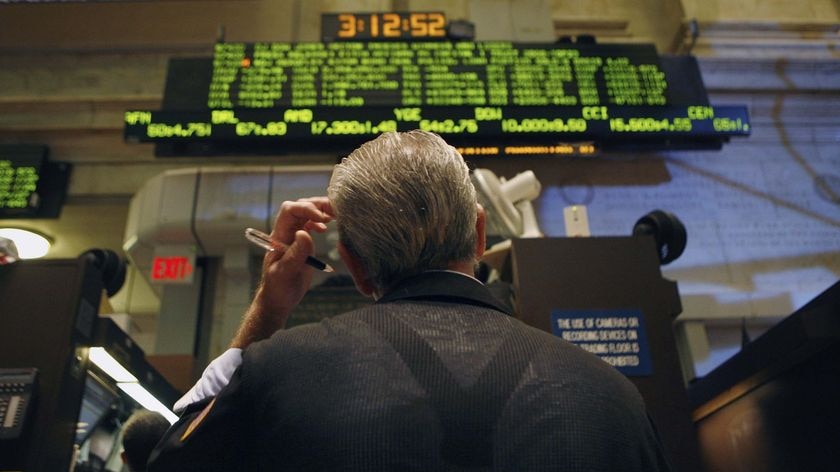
436 375
141 432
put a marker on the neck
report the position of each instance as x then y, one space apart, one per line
466 268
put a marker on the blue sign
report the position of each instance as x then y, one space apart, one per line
616 336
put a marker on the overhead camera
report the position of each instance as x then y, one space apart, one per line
508 203
112 266
668 232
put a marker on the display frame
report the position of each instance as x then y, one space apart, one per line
280 98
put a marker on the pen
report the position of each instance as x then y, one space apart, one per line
264 241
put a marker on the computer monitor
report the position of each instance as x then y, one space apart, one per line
97 403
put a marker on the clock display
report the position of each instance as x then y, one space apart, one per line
377 26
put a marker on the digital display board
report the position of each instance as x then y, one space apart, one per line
435 73
30 187
276 97
18 181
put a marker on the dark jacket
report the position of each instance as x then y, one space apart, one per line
434 376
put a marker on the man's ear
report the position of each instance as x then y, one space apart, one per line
480 232
357 270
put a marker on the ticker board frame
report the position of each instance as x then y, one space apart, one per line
282 130
188 125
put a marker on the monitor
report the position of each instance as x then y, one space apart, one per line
98 402
30 185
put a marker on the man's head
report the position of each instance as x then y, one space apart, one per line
404 203
141 433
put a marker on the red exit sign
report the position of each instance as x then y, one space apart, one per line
172 269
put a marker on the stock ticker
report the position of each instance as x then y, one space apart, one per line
482 96
30 185
18 185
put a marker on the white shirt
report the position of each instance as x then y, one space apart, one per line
214 378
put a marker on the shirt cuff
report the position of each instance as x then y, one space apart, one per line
214 378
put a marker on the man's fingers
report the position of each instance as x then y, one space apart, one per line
304 210
292 255
310 214
272 256
323 204
317 227
300 249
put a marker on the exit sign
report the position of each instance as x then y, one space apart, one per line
173 269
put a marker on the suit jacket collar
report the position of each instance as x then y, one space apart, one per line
444 286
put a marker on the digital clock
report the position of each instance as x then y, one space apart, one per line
382 26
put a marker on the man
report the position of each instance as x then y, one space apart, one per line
141 432
435 375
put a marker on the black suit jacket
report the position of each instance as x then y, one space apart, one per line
434 376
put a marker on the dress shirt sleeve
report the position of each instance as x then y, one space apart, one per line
214 378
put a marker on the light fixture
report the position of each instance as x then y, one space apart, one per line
109 365
147 400
128 383
30 245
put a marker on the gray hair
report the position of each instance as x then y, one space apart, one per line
404 204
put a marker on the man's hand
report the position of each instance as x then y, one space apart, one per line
285 275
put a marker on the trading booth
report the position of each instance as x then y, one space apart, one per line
68 377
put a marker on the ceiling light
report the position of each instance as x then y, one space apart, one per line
30 245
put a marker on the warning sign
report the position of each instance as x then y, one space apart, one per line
616 336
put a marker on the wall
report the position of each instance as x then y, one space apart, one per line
778 12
